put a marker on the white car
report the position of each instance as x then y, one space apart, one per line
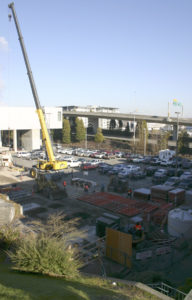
23 154
94 161
73 163
128 171
166 163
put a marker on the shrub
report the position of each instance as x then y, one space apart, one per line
9 236
47 251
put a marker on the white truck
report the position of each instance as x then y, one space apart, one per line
166 154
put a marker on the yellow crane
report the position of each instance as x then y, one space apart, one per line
51 163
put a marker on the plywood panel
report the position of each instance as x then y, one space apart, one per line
119 246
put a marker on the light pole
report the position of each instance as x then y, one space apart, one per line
85 137
133 113
177 135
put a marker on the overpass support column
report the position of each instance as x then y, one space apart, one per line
175 132
94 123
15 140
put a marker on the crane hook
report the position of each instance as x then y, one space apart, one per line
9 16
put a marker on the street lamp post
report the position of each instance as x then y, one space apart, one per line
177 135
85 137
133 113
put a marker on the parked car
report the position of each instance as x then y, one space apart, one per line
186 164
103 169
150 170
159 178
88 166
155 162
109 156
126 172
119 154
23 154
172 181
73 163
166 163
185 175
140 174
147 160
94 161
138 159
185 183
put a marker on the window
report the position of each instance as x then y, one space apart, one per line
59 115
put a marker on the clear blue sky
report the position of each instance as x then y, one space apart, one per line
131 54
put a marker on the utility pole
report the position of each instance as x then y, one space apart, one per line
177 135
144 146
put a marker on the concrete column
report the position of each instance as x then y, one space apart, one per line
94 123
175 132
15 140
0 139
31 140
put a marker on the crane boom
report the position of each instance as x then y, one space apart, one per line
52 163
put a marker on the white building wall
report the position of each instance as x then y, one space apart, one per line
23 118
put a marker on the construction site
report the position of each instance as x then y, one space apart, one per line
110 246
132 224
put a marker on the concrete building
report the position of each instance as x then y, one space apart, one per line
93 122
25 125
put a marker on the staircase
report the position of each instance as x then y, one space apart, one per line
168 290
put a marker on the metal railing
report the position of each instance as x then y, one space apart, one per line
168 290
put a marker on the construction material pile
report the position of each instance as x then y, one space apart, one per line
142 193
159 217
118 204
159 193
177 196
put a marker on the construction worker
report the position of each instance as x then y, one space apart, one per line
138 229
129 193
64 184
86 188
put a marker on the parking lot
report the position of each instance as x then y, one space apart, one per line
135 171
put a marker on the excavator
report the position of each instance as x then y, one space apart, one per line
51 163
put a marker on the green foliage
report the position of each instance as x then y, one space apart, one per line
142 132
22 286
66 132
99 138
80 130
187 286
46 251
9 237
162 140
183 140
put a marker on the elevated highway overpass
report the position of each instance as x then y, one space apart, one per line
130 117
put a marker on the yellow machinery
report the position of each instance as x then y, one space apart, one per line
51 163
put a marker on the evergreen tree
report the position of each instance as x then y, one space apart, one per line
183 141
142 131
162 140
66 132
80 130
99 138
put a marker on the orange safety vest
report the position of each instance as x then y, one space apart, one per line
138 227
64 183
